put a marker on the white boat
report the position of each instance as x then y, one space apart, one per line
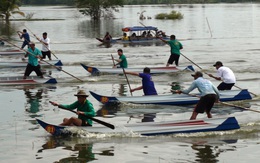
12 52
23 63
153 128
18 80
154 70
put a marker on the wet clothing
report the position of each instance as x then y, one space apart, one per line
148 84
87 108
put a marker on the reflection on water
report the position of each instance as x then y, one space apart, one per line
82 150
33 99
206 153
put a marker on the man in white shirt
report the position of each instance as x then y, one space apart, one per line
226 75
45 46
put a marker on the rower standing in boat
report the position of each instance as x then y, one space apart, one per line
45 46
24 35
33 65
84 109
209 95
122 61
147 82
175 50
225 74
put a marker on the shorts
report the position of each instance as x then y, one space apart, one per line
47 53
225 86
205 103
174 57
30 68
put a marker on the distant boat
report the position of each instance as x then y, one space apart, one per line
18 80
138 30
154 70
152 128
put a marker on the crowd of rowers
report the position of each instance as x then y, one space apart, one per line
134 36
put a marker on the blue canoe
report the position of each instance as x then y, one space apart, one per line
154 70
152 128
171 99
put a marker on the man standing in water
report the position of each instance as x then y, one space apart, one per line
175 50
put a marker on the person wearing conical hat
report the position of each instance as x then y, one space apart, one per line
84 109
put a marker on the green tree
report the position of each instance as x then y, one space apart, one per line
9 7
95 8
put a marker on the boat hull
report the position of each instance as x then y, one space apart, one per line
18 80
171 99
154 128
154 70
12 52
24 63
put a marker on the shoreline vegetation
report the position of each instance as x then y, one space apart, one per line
139 2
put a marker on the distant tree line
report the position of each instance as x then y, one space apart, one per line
133 2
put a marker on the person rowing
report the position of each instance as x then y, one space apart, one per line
84 109
209 94
147 82
33 64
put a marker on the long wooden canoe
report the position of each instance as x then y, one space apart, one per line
153 128
23 63
154 70
18 80
12 52
171 99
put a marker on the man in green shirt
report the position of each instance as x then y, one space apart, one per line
84 109
122 62
175 50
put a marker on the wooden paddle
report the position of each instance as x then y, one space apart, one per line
208 74
94 119
127 81
113 60
41 42
43 60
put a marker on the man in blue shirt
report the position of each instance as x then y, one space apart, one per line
209 94
33 65
25 36
147 82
